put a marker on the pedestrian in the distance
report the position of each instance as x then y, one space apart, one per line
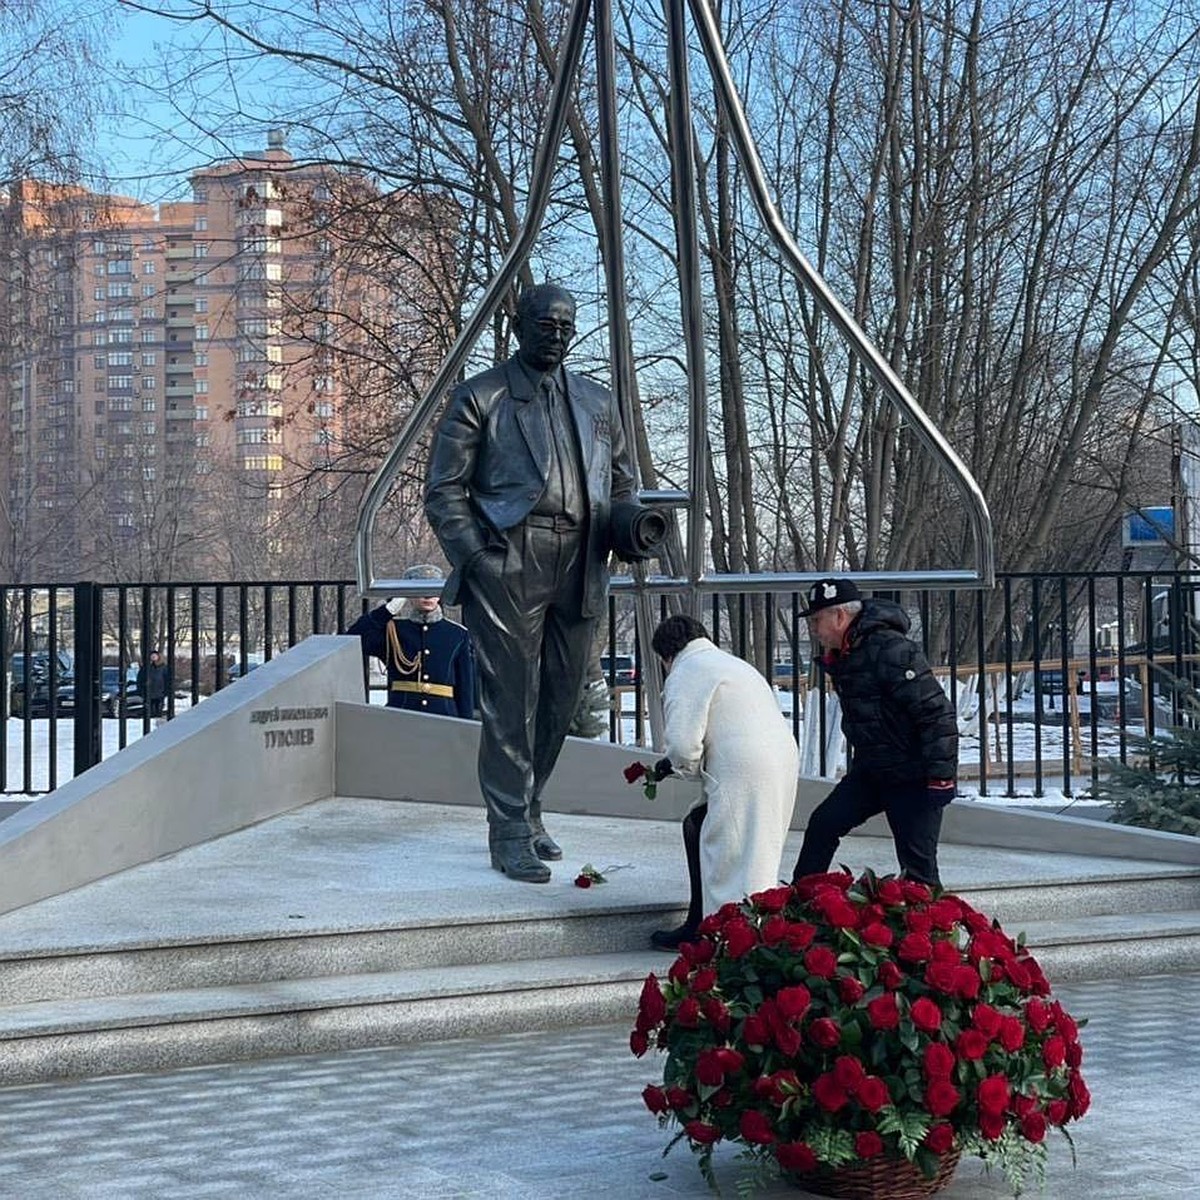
724 726
901 728
153 684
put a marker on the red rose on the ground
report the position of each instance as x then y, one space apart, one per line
883 1012
796 1156
825 1032
993 1094
828 1093
821 962
926 1015
868 1144
940 1138
915 893
941 1097
702 1132
583 881
872 1093
890 892
655 1099
634 772
756 1127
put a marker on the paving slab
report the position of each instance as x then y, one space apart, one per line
541 1116
345 863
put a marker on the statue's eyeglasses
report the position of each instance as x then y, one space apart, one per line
566 328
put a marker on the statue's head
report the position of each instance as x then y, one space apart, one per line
545 325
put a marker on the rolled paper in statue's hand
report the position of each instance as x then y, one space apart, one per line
636 531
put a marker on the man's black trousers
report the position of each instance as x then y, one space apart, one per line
915 822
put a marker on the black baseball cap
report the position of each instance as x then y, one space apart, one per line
825 593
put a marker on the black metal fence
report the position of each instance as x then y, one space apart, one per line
1053 675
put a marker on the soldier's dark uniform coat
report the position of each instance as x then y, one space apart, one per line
424 661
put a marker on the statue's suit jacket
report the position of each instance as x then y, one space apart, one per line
489 463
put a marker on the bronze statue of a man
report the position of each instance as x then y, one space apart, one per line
526 463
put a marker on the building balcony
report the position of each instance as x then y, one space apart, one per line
182 321
181 391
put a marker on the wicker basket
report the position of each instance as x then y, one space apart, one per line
879 1179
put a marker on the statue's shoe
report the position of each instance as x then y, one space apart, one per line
545 847
672 939
517 861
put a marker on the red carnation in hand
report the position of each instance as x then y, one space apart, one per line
868 1144
884 1012
756 1127
702 1132
926 1015
796 1156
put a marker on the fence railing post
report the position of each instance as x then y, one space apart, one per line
87 676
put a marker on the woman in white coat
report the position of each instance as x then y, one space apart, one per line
724 726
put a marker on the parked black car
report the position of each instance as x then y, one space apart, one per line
110 694
29 694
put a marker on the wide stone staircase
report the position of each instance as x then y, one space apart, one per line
362 923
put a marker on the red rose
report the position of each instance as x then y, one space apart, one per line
1078 1097
811 886
793 1002
841 913
702 1132
1064 1022
679 1098
740 938
850 990
634 772
652 1007
773 900
944 913
796 1156
868 1144
946 951
1054 1053
821 962
938 1060
639 1043
688 1012
709 1070
966 982
754 1030
698 952
889 891
732 1060
1074 1054
1038 1016
871 1092
940 1138
705 980
970 1044
1057 1112
993 1094
655 1099
848 1071
890 975
926 1015
987 1020
917 920
877 934
915 947
940 976
1033 1127
680 970
583 881
774 930
785 1036
717 1014
941 1097
721 1099
915 893
1019 973
828 1093
756 1127
884 1012
825 1033
991 1125
800 935
1024 1105
1012 1034
777 1088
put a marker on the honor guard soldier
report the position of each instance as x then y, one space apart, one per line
429 659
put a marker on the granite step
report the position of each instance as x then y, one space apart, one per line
141 1031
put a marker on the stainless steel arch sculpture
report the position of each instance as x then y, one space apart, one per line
683 173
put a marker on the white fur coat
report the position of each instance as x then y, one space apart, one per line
724 725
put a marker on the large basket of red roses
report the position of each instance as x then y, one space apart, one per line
858 1036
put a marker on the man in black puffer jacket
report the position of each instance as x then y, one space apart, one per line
900 725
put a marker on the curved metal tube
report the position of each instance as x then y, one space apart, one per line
868 355
419 418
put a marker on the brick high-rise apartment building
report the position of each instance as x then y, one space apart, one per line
166 376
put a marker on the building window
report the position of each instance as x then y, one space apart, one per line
201 224
201 387
202 439
149 383
323 408
98 294
98 316
148 473
274 271
147 292
201 412
98 360
148 428
149 404
201 358
202 304
120 266
149 358
201 333
200 250
120 335
148 267
118 291
97 247
121 382
200 195
149 335
120 358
